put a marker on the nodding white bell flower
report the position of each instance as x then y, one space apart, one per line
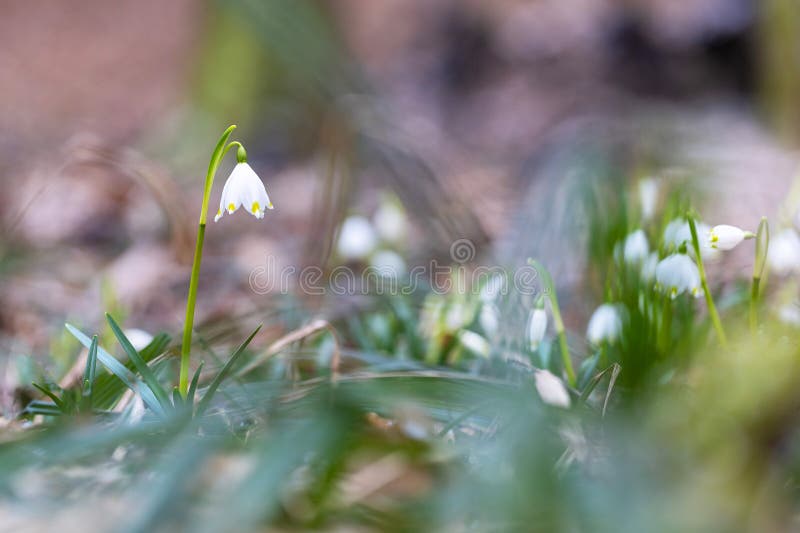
783 254
604 325
678 233
474 343
677 274
537 326
636 247
726 237
551 389
648 197
357 239
243 188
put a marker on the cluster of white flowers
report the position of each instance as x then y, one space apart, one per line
362 240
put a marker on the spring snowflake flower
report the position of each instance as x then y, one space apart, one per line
551 390
390 221
474 343
357 239
678 233
783 254
677 274
604 325
243 188
537 326
726 237
636 247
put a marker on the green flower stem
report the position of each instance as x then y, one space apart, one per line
762 245
550 291
712 309
186 345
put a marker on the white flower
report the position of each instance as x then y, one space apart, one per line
537 326
725 237
676 274
357 239
790 314
494 287
139 338
474 343
678 233
390 221
388 263
243 188
489 318
635 248
649 267
551 390
604 325
648 197
783 254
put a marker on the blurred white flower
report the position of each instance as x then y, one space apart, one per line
678 233
677 274
551 389
537 326
790 314
390 221
726 237
457 316
648 197
604 325
489 318
474 343
636 247
783 254
388 263
494 287
139 338
649 266
243 188
357 239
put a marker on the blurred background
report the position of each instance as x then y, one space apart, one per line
462 119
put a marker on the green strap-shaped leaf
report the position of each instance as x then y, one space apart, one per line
212 388
145 371
119 370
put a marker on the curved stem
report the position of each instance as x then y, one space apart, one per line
712 309
216 157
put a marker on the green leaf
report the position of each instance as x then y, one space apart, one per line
89 376
56 400
193 385
212 388
120 371
147 374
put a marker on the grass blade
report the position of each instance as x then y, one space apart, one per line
49 394
145 371
89 375
212 388
119 370
193 385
